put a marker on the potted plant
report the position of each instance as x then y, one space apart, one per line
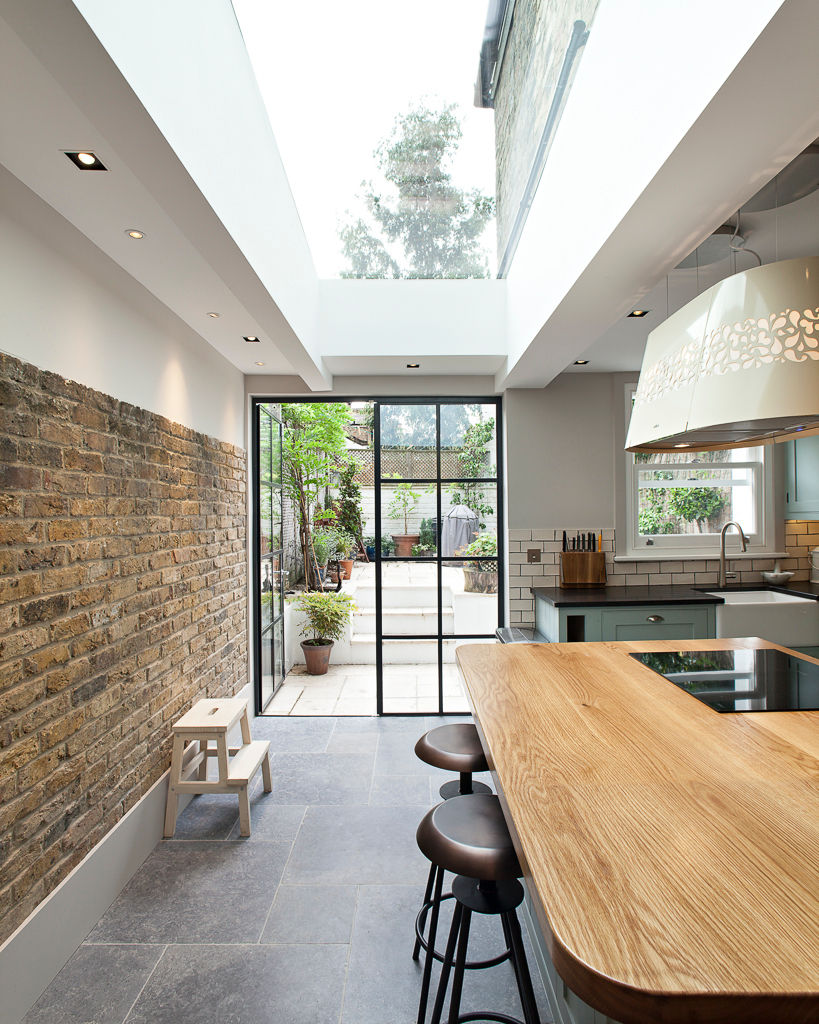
327 617
481 577
369 547
387 546
401 507
344 546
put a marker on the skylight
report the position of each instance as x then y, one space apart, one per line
338 81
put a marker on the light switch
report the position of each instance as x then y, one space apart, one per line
533 554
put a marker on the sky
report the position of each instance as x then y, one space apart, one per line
333 77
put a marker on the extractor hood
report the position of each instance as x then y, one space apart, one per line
738 365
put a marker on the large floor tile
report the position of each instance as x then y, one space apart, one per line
208 816
311 913
300 778
296 734
270 820
99 984
244 985
358 846
399 790
383 981
197 892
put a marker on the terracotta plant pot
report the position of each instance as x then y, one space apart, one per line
316 657
404 543
480 582
346 567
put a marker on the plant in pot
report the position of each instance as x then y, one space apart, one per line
327 617
387 546
481 577
369 547
401 507
345 543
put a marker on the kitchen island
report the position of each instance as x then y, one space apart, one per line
671 853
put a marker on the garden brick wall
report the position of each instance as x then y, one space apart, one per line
123 598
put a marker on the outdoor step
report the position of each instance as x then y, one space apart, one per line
405 595
400 652
403 620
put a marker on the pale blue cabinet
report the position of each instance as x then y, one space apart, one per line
625 622
802 478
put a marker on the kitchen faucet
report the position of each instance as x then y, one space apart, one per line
723 575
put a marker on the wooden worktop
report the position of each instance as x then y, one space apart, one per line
673 852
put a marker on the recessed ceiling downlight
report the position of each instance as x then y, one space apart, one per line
250 337
134 233
639 312
259 364
215 316
413 366
85 160
581 362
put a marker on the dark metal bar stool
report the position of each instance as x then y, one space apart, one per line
455 748
468 836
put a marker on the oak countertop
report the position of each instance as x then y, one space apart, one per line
673 852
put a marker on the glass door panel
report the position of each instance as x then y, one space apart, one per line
268 583
437 492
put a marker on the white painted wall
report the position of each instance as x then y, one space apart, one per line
617 131
188 64
464 319
69 309
560 453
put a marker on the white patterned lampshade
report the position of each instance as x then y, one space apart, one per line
737 365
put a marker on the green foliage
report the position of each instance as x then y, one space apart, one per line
348 507
474 462
427 538
387 544
327 615
323 546
313 445
418 224
484 544
696 504
403 503
343 543
653 518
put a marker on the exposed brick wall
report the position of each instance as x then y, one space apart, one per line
123 596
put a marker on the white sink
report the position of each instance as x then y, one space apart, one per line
782 618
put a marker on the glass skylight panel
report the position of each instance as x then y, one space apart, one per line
391 165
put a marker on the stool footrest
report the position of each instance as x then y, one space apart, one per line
245 762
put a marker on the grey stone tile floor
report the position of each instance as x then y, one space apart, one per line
308 921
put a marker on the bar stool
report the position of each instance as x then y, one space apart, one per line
454 748
468 836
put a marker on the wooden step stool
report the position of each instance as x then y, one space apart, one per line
206 720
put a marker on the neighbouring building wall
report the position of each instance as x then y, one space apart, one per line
538 38
123 598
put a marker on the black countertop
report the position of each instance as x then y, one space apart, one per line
580 597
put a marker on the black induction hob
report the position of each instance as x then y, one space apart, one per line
742 680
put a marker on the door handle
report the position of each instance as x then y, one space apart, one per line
655 618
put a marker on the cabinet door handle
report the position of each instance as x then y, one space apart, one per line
655 618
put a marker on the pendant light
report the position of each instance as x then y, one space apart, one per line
737 365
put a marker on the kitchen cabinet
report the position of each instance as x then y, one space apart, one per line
802 478
632 622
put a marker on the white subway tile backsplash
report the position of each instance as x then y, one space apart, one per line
637 580
682 577
520 535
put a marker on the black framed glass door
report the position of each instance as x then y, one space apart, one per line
269 589
439 567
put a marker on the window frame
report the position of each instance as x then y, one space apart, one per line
761 543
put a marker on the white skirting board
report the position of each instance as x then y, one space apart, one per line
37 951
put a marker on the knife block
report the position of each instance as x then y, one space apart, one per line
582 568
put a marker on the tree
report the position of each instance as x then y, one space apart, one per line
474 462
313 446
419 225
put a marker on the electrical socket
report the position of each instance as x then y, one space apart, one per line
532 555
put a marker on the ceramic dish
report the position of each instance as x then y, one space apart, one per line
777 578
